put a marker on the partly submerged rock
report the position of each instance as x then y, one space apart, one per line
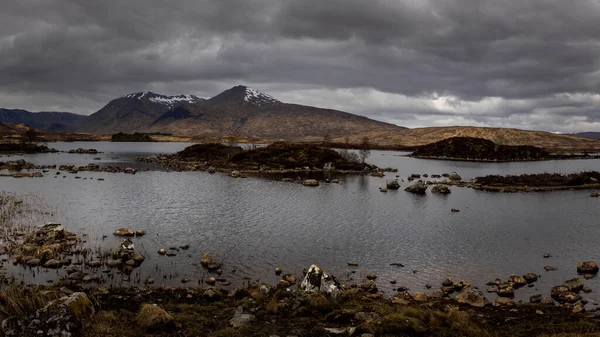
316 280
440 189
417 188
587 267
209 263
124 232
311 182
393 184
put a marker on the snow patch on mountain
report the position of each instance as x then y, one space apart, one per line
259 98
169 101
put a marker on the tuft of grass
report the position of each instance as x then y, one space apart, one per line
418 322
318 301
152 317
21 302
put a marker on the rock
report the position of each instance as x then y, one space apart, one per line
349 331
392 184
52 264
587 290
289 278
212 294
588 276
211 169
209 263
211 281
130 263
371 276
239 293
94 263
550 268
153 318
506 290
587 267
278 271
149 281
162 251
472 297
517 281
539 312
492 289
369 286
546 301
420 297
454 210
113 263
63 317
455 176
353 264
240 319
316 280
556 291
578 308
447 282
138 258
530 277
235 174
124 232
460 285
33 262
440 189
383 190
140 232
418 188
171 252
535 299
76 276
311 182
574 285
547 255
503 301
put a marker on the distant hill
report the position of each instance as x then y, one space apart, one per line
591 134
468 148
48 120
17 132
239 111
411 138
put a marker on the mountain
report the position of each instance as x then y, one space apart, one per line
48 120
591 134
133 112
239 111
18 132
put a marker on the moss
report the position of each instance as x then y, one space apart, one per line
81 307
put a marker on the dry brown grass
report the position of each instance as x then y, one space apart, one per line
153 317
21 302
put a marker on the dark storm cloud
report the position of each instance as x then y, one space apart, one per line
490 59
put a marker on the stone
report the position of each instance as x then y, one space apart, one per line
211 280
588 276
114 263
124 232
454 210
240 319
94 263
311 182
574 285
52 264
317 280
547 301
371 276
503 301
369 286
212 294
578 308
366 316
447 282
550 268
472 297
235 174
153 318
530 277
517 281
162 251
535 299
140 232
587 267
587 290
138 258
278 271
289 278
353 264
209 263
392 184
440 189
420 297
33 262
556 291
455 176
539 312
418 188
547 255
76 276
65 316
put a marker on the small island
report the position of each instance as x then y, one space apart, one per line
131 137
479 149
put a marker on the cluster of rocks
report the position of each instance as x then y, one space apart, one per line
97 168
83 151
47 246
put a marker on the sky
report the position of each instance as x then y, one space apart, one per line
530 64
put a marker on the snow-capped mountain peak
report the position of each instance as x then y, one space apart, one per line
169 101
259 98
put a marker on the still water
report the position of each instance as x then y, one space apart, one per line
257 224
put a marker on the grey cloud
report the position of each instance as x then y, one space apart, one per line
528 54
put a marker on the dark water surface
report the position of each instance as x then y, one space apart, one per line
256 224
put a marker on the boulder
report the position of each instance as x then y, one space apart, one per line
311 182
440 189
418 188
209 263
556 291
392 184
506 290
587 267
235 174
503 301
65 316
455 176
152 318
371 276
316 280
369 286
530 277
517 281
52 264
420 297
472 297
240 319
574 285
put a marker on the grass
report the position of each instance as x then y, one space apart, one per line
152 317
19 301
